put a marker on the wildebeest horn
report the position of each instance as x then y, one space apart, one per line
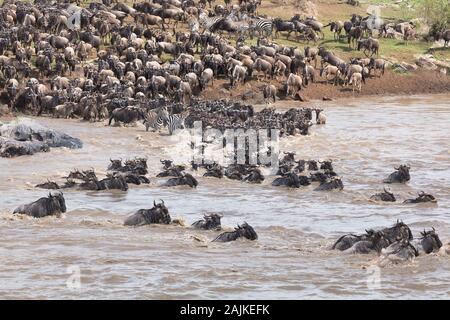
162 201
154 203
396 168
50 194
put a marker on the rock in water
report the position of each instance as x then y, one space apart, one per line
27 137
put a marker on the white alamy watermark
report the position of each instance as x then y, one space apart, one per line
225 147
73 282
374 21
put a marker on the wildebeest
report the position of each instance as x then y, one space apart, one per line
209 222
401 175
242 231
428 242
269 93
399 251
356 80
372 241
289 180
159 214
423 197
369 45
386 195
445 35
398 231
377 64
320 117
184 179
334 183
54 204
294 84
126 115
281 25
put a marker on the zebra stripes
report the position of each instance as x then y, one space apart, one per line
156 120
263 26
175 122
207 23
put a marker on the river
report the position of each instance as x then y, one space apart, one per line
366 138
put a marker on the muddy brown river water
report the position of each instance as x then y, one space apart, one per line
291 260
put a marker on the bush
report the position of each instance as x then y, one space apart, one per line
435 12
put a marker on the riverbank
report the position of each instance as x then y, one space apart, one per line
391 84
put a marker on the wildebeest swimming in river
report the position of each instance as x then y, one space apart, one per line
386 195
242 231
159 214
398 251
185 179
209 222
54 204
428 242
373 240
423 197
401 175
334 183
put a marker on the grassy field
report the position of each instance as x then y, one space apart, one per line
329 10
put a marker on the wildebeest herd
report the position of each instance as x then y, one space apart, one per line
111 61
116 57
393 244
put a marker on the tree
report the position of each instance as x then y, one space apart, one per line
435 12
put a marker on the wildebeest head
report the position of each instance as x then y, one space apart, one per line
326 165
115 164
247 231
167 163
404 170
190 180
58 201
288 157
399 231
160 212
378 238
430 241
426 197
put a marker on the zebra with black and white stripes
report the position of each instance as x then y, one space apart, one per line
175 122
263 26
156 119
207 23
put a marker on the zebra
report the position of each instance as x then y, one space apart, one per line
175 122
156 119
263 26
208 22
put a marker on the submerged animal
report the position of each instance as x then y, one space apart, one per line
242 231
423 197
401 175
386 196
399 251
54 204
159 214
209 222
428 242
185 179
